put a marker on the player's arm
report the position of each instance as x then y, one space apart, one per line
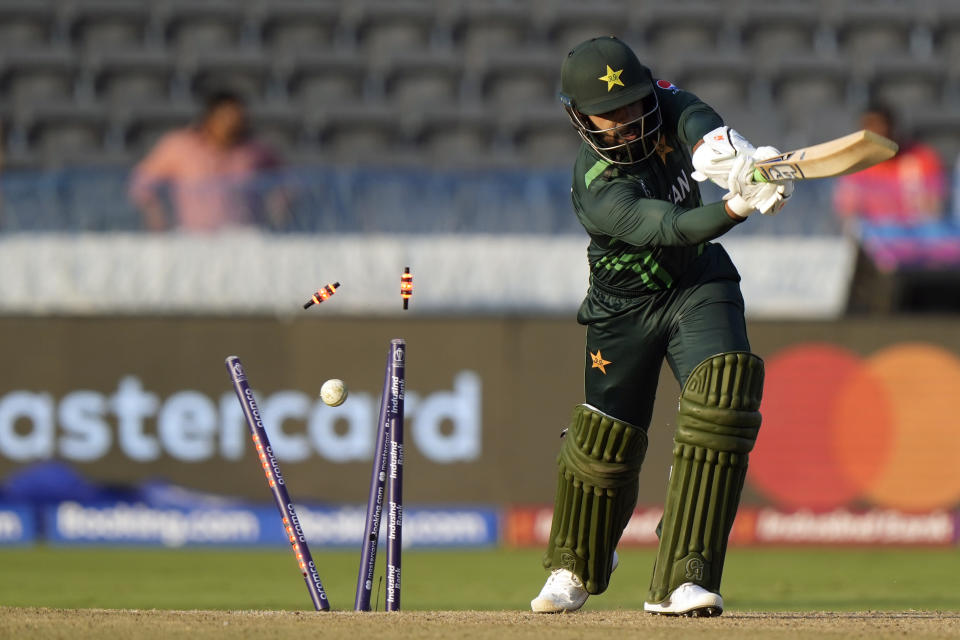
621 210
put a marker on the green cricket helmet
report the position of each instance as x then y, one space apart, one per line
603 75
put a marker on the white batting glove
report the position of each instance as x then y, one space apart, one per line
776 202
746 196
713 160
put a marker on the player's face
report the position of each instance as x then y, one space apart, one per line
610 122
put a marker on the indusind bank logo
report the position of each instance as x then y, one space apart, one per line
840 428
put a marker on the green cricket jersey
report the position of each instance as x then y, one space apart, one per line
647 224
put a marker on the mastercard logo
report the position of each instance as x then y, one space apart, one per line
841 428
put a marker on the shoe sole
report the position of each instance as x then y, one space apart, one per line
551 608
697 612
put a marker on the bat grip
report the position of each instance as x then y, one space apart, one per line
758 177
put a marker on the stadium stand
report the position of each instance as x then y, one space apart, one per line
441 83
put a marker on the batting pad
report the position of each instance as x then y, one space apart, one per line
599 464
716 429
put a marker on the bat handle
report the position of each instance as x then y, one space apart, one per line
758 177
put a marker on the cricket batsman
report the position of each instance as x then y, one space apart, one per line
659 288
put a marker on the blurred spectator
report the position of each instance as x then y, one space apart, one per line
909 188
214 171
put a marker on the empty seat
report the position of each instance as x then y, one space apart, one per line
244 72
143 126
316 80
770 31
724 82
946 32
279 127
939 127
66 134
513 79
384 28
906 83
482 27
413 81
360 135
672 28
98 25
801 83
26 24
567 25
38 77
542 136
191 26
454 137
132 77
299 26
864 31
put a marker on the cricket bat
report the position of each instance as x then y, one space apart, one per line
833 158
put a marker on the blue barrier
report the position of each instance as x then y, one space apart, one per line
75 524
323 199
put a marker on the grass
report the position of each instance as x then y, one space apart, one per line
755 579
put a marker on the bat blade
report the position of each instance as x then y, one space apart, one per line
847 154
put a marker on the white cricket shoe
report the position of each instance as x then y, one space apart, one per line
688 599
563 591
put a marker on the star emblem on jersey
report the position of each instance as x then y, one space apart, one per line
599 362
663 149
612 78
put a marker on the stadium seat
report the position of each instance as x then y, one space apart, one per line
190 26
132 77
945 29
866 30
412 80
939 127
508 79
482 27
359 134
66 134
541 136
143 126
800 83
723 81
46 76
385 28
26 24
567 25
670 28
773 32
281 127
98 25
245 72
905 82
314 80
454 137
296 26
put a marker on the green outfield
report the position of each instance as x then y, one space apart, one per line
755 579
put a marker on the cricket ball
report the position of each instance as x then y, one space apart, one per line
333 392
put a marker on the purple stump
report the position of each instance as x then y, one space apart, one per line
271 468
391 414
395 482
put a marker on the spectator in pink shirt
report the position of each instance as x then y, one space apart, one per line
211 169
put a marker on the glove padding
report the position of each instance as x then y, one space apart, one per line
714 159
746 195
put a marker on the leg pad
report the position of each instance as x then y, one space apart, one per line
717 427
597 485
